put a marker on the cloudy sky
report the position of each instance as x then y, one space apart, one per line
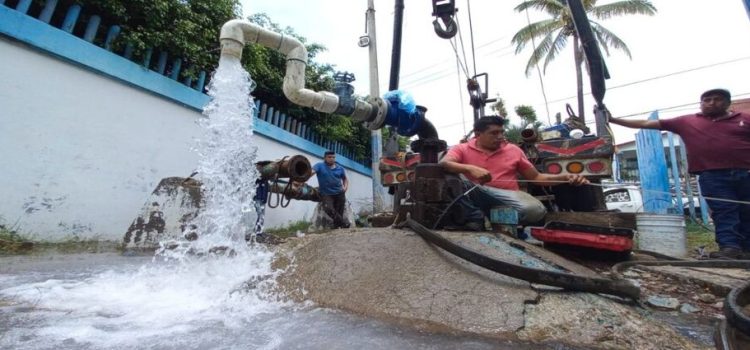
688 47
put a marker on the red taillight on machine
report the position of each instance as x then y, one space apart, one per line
554 168
596 167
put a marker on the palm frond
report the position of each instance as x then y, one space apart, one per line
540 51
625 7
552 7
558 45
533 31
608 39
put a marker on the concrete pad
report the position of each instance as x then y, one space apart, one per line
395 275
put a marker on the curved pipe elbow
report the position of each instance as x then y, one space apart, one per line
236 33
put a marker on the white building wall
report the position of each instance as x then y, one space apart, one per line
81 152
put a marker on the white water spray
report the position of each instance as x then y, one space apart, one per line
227 158
195 288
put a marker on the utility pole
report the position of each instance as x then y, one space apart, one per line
376 139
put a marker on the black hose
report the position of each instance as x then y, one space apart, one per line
736 300
621 288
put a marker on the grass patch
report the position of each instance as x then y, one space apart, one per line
11 242
14 243
290 230
699 236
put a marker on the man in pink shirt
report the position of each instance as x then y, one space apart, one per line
717 142
489 160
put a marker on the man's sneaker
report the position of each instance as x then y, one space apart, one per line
726 253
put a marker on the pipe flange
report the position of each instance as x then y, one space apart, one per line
381 110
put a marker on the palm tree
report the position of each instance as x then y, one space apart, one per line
555 32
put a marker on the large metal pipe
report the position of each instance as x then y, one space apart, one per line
236 33
297 168
398 20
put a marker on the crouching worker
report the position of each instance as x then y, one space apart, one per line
490 160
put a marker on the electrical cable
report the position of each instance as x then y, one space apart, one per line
445 211
539 72
661 76
471 33
461 98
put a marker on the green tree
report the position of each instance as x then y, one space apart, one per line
499 107
528 119
555 32
187 29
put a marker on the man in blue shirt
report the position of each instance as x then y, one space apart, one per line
332 184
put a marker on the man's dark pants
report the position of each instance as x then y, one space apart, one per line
334 206
731 219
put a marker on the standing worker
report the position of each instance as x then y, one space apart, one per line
332 185
717 142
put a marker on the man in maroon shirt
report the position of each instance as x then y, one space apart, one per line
717 142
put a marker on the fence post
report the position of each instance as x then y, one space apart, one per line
71 17
263 110
176 66
128 54
91 28
161 65
201 81
147 57
23 6
48 11
112 34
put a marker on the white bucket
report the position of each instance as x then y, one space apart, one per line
662 234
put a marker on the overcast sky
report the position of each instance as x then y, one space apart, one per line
691 41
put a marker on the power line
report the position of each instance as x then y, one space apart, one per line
661 76
664 109
443 73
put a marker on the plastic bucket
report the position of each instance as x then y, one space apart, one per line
662 234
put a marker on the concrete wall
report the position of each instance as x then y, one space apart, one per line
82 149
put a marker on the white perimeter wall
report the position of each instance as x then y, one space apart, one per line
81 152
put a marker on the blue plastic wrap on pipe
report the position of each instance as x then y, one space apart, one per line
403 113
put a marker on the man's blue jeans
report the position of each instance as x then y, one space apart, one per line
482 199
731 219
